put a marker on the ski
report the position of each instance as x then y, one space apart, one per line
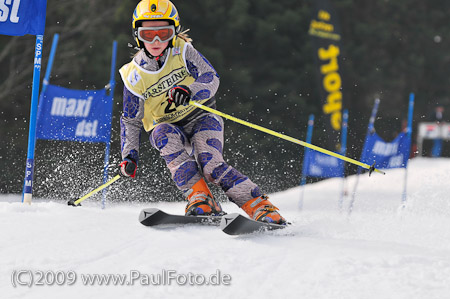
237 224
154 217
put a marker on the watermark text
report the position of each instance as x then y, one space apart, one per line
36 278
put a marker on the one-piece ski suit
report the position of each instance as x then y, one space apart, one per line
189 139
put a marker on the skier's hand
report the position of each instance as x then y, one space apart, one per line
180 95
128 167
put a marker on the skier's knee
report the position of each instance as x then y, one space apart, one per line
208 123
159 136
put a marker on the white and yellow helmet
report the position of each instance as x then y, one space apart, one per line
155 10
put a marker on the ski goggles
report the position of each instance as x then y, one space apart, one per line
151 34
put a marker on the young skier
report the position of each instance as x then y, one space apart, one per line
164 75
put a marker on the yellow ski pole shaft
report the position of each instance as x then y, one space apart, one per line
76 202
285 137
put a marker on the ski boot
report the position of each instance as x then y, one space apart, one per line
201 202
261 209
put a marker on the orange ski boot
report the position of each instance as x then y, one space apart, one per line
261 209
201 202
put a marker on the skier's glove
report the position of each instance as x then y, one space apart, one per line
180 95
128 167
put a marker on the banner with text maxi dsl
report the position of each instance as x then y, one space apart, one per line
394 154
322 165
74 115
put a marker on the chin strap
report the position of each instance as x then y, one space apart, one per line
157 58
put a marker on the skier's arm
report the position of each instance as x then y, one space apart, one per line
131 125
206 78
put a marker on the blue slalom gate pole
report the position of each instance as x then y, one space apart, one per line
370 129
48 71
343 152
112 84
344 133
308 140
408 152
28 181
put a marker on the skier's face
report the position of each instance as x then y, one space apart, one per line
155 48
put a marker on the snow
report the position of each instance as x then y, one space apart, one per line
379 251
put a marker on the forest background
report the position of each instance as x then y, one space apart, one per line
265 59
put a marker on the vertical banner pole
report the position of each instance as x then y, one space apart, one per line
48 71
112 80
408 152
105 171
343 152
112 84
28 181
308 140
370 129
344 133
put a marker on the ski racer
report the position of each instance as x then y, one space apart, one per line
163 76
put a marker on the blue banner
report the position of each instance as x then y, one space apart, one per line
321 165
20 17
74 115
393 154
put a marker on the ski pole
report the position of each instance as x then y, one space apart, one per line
285 137
76 203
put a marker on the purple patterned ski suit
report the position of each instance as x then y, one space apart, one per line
193 147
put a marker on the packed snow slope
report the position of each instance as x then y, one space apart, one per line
377 252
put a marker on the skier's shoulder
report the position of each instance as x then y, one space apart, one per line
182 46
132 75
127 67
